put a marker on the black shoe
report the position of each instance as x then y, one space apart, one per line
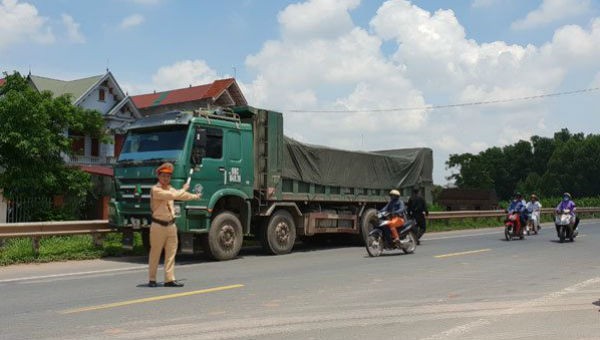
151 283
173 284
418 242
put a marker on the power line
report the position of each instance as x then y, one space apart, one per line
446 106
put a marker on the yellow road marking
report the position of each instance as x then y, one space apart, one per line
462 253
150 299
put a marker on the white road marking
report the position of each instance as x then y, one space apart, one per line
92 272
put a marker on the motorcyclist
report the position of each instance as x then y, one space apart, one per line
534 207
395 208
518 205
565 204
417 209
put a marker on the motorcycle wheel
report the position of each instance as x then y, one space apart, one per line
561 234
571 237
529 228
507 234
374 245
412 243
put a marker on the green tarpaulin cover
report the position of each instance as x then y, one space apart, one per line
376 170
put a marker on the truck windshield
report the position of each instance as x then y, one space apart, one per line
153 144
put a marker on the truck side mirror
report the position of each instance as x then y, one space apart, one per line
199 148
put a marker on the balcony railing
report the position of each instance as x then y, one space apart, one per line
89 160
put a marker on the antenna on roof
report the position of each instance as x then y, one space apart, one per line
234 71
29 70
107 64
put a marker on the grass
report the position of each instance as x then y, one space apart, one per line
63 248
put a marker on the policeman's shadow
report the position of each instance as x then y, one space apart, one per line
158 284
597 303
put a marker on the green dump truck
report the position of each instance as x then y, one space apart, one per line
255 182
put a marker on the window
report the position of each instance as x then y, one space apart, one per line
101 95
214 143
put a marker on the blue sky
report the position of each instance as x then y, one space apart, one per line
347 56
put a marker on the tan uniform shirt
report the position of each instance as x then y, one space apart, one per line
162 205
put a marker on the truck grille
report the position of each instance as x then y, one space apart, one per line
135 190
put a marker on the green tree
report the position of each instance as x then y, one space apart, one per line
548 166
33 140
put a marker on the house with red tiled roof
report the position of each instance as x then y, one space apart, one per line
220 93
2 81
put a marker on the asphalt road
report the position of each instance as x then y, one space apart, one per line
458 285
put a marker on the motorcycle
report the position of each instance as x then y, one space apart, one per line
565 225
379 239
512 226
533 222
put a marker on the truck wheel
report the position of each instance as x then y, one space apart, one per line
278 235
366 223
224 239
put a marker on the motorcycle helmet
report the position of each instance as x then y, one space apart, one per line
394 193
534 197
566 196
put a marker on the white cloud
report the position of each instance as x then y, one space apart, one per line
552 11
20 22
72 27
184 73
340 66
323 18
132 21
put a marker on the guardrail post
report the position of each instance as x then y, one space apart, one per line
98 239
35 241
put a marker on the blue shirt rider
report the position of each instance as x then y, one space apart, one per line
519 205
395 206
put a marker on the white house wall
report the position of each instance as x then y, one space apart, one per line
92 102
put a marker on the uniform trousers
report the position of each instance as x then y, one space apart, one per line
162 238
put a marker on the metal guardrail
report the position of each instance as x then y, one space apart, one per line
448 215
36 230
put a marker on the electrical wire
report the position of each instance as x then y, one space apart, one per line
446 106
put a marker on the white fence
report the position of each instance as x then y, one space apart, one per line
22 210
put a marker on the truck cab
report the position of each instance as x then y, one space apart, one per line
213 149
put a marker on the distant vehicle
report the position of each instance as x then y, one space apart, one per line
512 226
565 223
255 182
533 222
380 240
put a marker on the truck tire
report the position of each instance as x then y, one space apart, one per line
366 223
224 239
278 234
